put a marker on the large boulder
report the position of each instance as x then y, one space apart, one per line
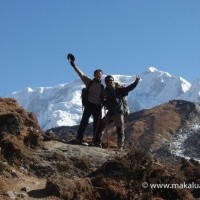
19 131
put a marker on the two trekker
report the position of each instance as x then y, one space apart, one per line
93 107
111 98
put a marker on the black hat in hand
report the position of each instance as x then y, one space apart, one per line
71 57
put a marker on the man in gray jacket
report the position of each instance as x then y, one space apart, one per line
93 106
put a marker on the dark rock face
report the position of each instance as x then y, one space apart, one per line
9 123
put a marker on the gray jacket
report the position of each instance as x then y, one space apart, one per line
95 91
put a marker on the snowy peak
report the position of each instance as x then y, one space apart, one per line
162 84
194 93
154 70
162 77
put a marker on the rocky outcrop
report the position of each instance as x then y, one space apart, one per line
136 175
19 131
29 151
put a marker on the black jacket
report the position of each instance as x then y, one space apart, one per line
113 95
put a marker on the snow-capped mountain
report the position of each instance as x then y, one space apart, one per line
156 87
61 105
194 93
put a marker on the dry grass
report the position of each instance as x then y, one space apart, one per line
83 163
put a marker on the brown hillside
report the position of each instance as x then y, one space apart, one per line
32 167
151 128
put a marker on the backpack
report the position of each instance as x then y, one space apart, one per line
124 101
84 94
126 110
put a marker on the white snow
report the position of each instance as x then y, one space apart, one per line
194 93
177 143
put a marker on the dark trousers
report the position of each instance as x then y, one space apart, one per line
94 111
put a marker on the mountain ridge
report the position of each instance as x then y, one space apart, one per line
61 105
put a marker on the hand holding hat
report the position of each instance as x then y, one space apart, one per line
71 59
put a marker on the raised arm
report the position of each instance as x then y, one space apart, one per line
81 74
125 90
133 85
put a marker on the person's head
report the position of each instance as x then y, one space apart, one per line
109 80
98 74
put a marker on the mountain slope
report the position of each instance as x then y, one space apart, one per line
35 165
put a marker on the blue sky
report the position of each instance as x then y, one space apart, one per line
121 37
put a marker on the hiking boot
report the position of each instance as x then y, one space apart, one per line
98 145
84 143
79 142
120 148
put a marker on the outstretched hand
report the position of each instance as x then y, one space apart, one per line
137 78
71 59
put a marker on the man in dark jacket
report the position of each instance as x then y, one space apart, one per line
114 105
94 102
